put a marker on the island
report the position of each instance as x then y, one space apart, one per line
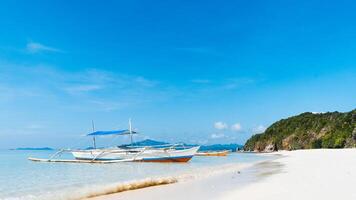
307 131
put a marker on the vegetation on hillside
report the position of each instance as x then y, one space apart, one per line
307 131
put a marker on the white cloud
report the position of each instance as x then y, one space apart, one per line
35 126
217 135
220 125
236 127
145 82
259 129
34 47
232 84
318 112
88 89
82 88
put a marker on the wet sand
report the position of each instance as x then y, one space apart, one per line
208 186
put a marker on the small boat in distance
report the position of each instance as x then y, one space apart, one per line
212 153
157 153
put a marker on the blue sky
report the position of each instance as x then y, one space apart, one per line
193 71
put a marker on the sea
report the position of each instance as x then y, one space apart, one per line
21 179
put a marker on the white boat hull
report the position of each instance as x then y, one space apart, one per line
137 154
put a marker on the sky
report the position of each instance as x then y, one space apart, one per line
199 72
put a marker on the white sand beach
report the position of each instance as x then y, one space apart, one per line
308 174
303 174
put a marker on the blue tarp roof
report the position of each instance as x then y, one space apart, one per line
117 132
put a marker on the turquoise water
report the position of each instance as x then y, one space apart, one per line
23 179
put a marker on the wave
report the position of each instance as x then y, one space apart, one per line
87 192
133 185
149 182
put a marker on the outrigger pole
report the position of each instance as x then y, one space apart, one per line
94 142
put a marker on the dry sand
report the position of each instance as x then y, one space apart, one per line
308 174
304 174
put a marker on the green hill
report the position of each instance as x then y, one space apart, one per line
307 131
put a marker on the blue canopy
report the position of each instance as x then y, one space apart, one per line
118 132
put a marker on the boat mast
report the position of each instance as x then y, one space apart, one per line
130 130
94 142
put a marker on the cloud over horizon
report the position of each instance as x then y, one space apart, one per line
220 125
217 135
236 127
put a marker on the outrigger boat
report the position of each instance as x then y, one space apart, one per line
157 153
212 153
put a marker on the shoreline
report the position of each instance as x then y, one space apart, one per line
195 180
302 174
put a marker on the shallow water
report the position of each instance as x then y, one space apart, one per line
23 179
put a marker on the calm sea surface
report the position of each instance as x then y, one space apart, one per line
23 179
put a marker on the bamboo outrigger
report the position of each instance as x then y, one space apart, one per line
81 161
